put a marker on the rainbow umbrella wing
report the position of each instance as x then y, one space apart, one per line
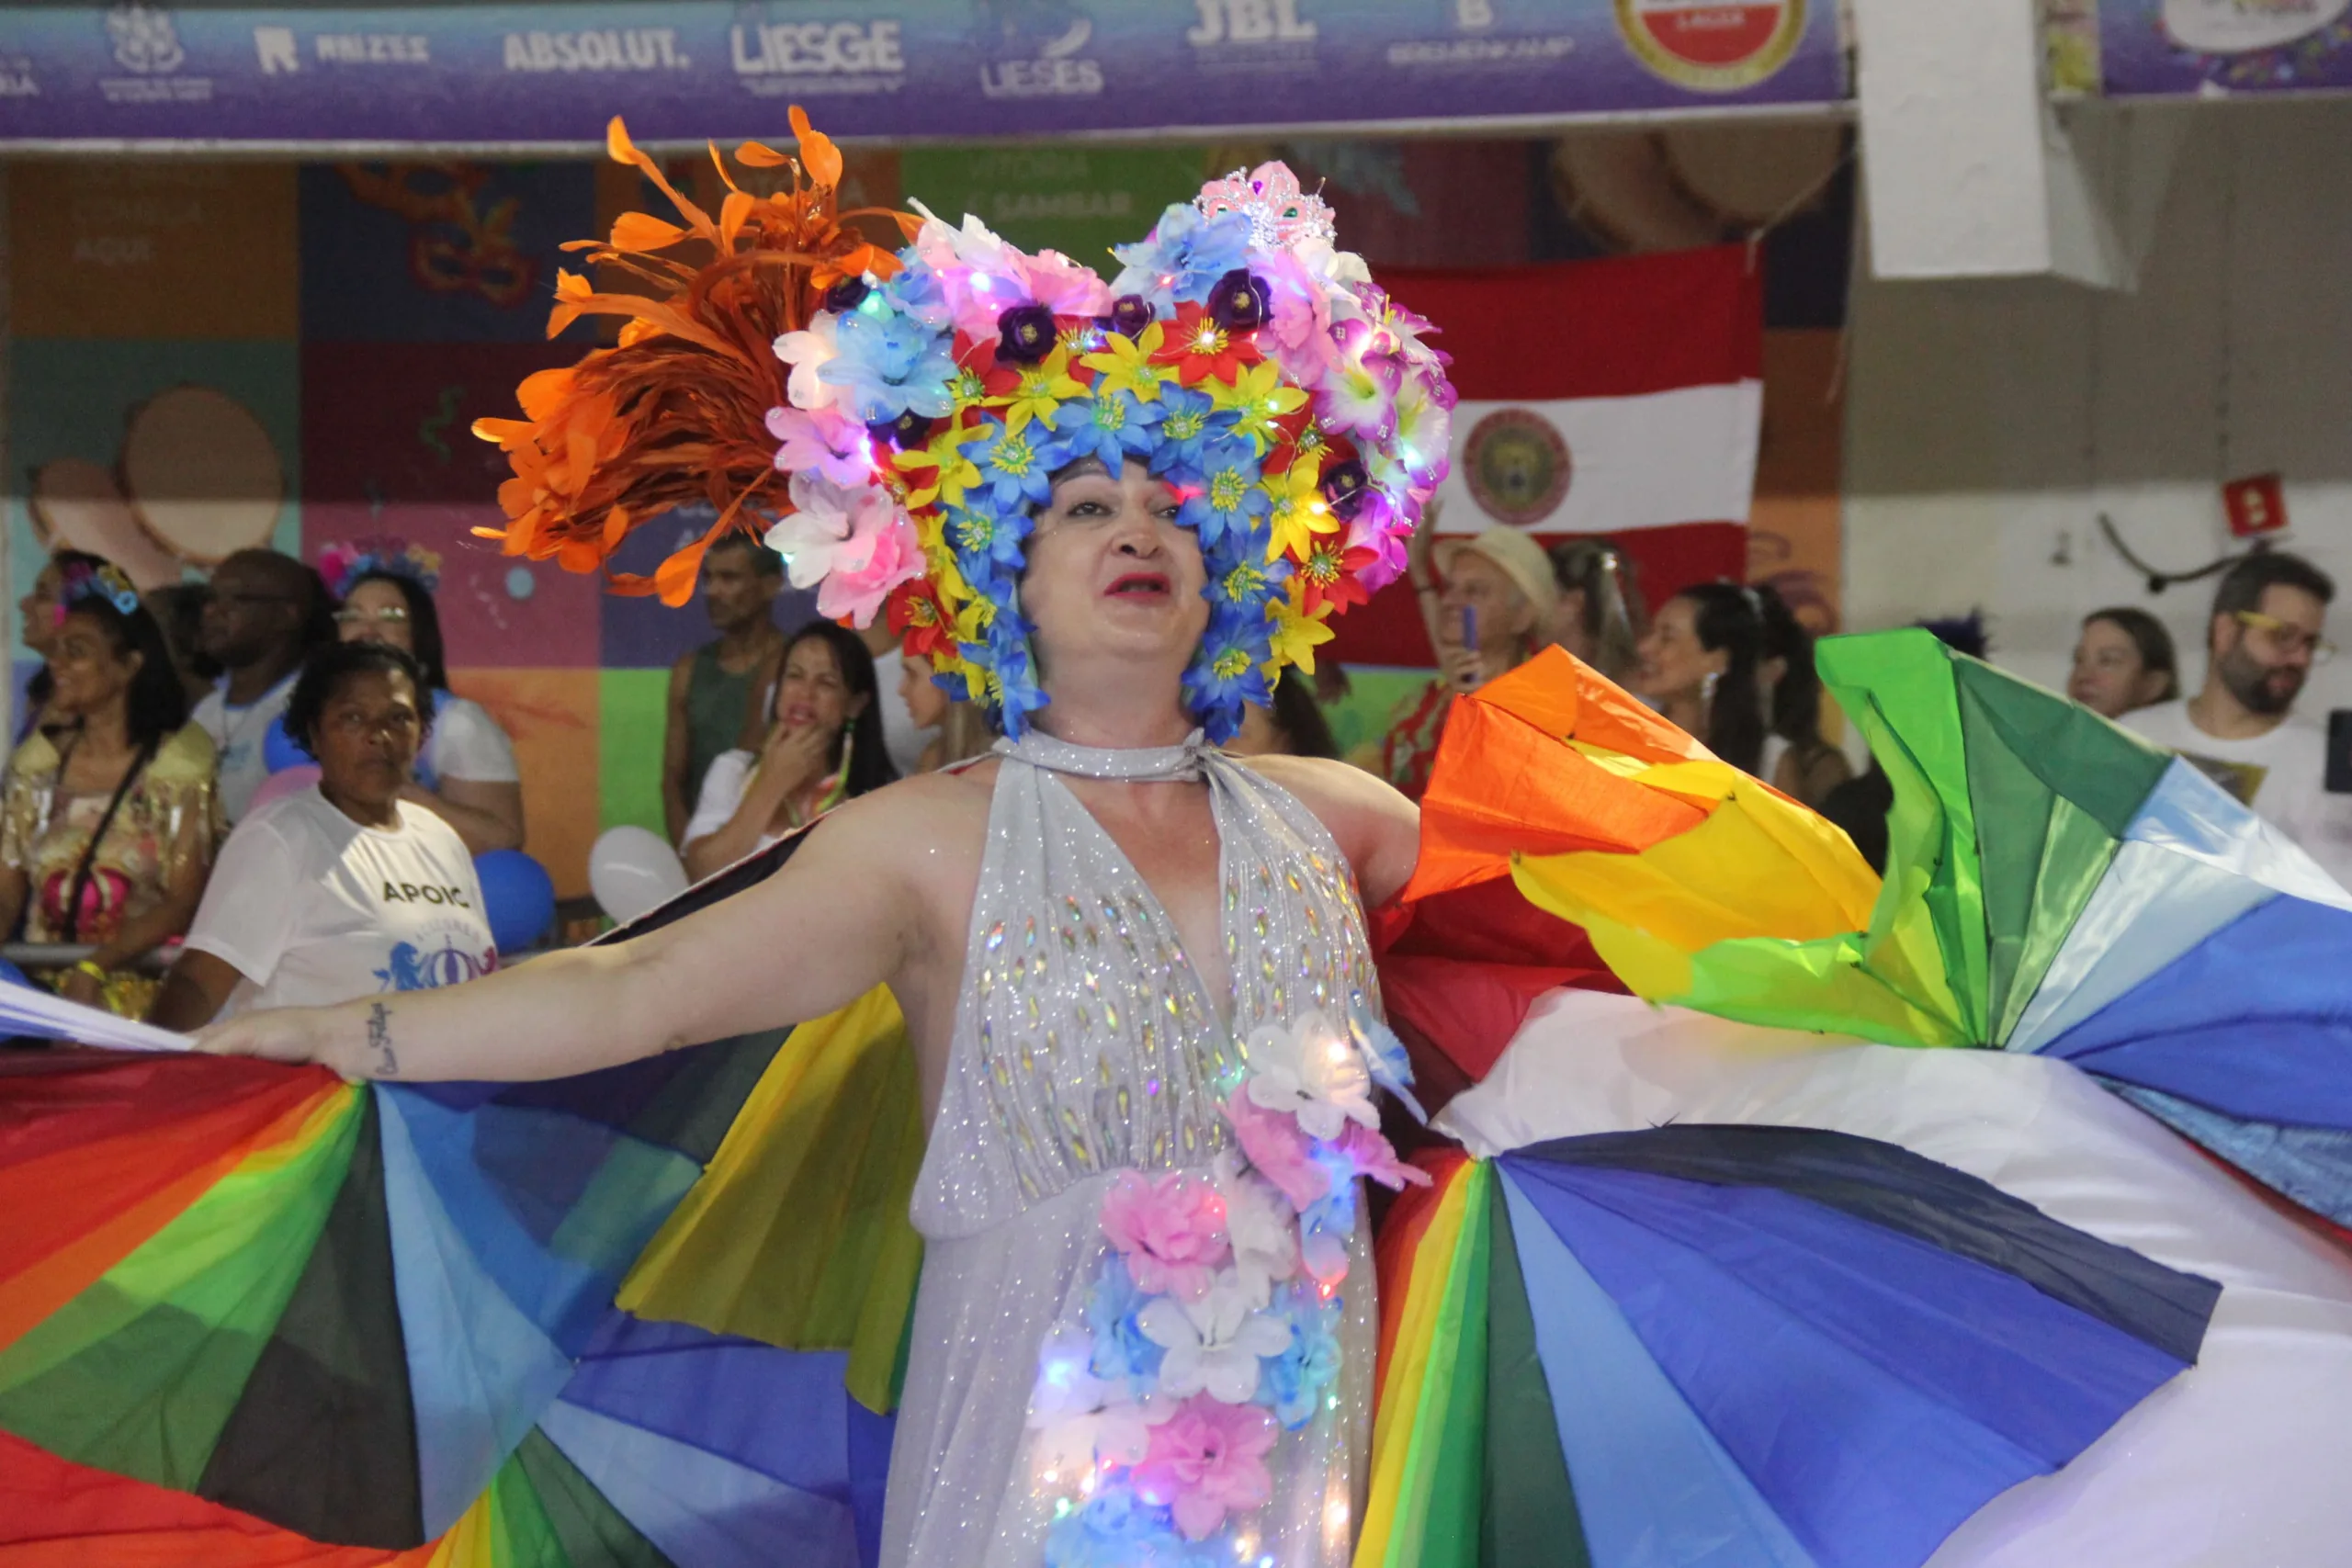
1752 1345
296 1321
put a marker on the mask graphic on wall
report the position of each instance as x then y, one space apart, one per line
197 479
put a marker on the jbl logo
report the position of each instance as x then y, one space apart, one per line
1249 21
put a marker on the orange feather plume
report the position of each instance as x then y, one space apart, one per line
676 413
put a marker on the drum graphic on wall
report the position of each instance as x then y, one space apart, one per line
197 479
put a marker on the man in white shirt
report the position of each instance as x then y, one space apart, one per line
267 611
2240 729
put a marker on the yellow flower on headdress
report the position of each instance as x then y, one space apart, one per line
1299 512
1124 365
1296 633
1259 396
951 469
1039 392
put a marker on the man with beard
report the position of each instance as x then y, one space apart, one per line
2240 729
264 615
713 689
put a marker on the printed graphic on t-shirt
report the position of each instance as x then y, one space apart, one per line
409 967
436 952
2242 780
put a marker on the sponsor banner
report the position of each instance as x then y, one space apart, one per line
2168 48
894 69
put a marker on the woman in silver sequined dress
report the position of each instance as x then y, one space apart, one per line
1135 971
1082 931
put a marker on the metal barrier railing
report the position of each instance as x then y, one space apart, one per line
64 956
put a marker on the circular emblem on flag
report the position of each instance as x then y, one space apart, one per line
1517 466
1713 46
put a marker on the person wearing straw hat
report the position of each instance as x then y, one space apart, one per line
1492 615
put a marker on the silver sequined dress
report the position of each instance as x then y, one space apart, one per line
1085 1043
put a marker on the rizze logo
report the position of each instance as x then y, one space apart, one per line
1056 73
1249 21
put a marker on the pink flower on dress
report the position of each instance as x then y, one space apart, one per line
1376 1157
1170 1229
1278 1149
1209 1461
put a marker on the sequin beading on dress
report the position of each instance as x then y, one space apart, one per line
1085 1045
1085 1041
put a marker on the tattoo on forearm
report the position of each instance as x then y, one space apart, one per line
379 1041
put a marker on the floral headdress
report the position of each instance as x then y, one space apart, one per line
1246 361
931 395
344 564
676 415
82 582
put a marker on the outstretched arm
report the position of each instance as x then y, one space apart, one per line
837 920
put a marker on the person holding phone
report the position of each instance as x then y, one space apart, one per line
1493 613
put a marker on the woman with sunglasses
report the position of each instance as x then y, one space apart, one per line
466 773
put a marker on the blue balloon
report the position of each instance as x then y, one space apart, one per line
517 897
279 751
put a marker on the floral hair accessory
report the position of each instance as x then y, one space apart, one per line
344 564
82 583
1237 355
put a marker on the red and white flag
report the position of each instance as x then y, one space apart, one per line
1621 397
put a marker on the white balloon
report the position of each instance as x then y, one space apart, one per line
632 871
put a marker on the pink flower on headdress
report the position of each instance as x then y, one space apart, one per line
822 441
1064 286
1280 1152
1299 331
1209 1461
854 546
1169 1228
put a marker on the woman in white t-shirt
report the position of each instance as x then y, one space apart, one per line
346 889
824 744
466 772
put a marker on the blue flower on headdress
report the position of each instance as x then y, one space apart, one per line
1189 421
1017 466
890 364
1228 499
1229 671
1183 257
1292 1383
1245 580
1110 426
988 544
915 292
1012 685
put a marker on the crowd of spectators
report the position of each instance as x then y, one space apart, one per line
149 807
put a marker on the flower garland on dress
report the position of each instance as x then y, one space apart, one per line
344 564
1212 1327
1246 362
